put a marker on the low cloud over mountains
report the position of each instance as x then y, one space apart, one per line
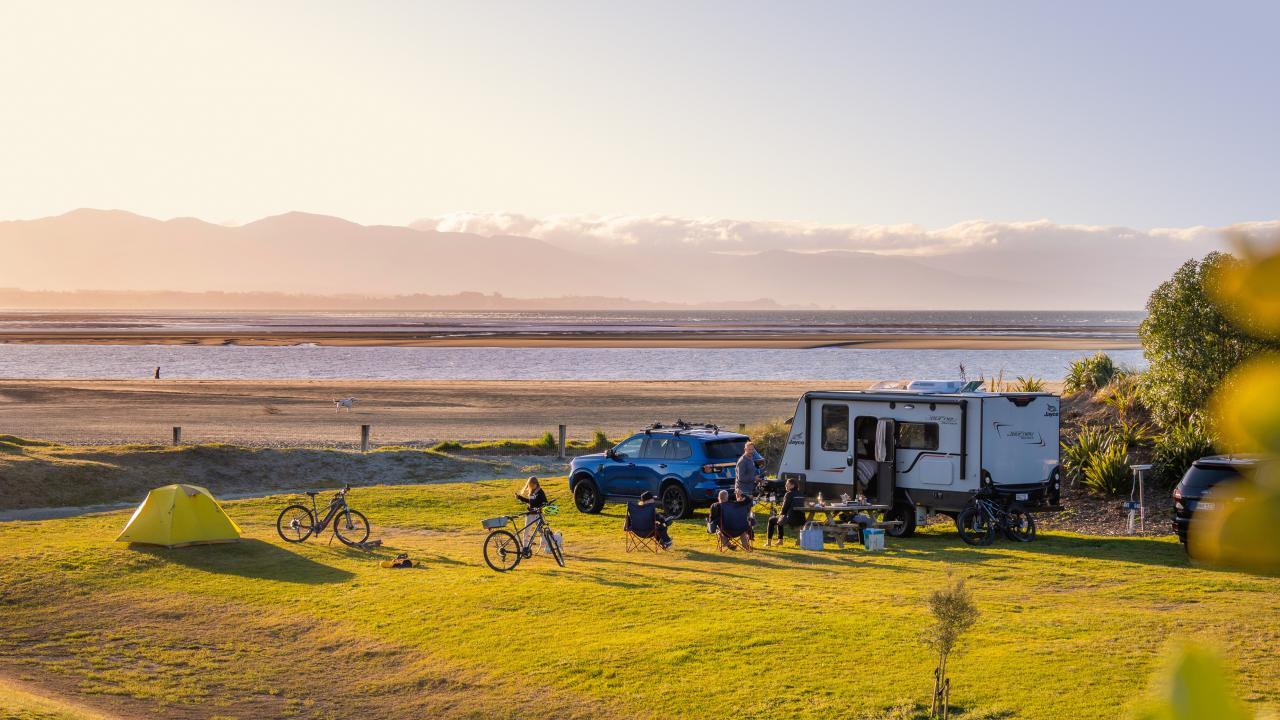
978 264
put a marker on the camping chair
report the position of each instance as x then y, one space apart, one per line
735 526
640 530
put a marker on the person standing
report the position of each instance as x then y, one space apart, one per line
747 474
533 496
157 372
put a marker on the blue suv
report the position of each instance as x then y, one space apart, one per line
684 465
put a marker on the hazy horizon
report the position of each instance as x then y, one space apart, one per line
627 261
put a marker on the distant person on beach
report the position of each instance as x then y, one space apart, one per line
157 372
747 473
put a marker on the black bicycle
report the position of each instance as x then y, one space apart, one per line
297 523
979 523
504 549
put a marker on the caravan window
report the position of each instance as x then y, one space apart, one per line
835 428
917 436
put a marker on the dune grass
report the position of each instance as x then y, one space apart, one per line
1071 626
546 444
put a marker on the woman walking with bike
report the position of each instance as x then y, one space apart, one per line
533 496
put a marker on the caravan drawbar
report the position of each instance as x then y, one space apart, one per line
925 447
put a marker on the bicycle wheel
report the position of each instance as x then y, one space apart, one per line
502 550
975 527
295 523
1021 526
550 538
351 527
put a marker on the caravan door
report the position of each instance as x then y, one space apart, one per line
831 457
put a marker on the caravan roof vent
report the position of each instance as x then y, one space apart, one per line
935 386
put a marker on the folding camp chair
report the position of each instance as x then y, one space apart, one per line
735 526
640 530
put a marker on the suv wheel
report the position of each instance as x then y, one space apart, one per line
587 497
676 501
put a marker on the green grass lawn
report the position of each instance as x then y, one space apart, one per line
1071 626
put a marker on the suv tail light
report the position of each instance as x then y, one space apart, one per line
1177 493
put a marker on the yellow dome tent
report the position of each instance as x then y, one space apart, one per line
177 515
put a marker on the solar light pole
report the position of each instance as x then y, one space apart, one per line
1138 508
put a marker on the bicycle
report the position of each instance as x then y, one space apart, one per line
297 523
504 549
978 523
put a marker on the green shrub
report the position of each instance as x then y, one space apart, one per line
1077 453
447 446
1181 444
1124 393
599 441
1029 384
1090 374
547 441
1108 471
1129 434
1190 343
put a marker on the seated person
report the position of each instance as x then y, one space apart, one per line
647 505
779 518
735 521
713 514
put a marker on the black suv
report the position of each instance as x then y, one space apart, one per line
1192 493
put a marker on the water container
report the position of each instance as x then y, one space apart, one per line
873 539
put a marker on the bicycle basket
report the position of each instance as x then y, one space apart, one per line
493 523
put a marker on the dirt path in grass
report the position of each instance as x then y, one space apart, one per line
24 699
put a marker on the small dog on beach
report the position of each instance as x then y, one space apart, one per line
348 404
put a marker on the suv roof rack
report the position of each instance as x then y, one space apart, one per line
680 426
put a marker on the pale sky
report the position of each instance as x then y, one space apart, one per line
1143 114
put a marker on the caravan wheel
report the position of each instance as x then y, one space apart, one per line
906 514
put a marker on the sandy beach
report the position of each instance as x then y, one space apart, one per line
301 413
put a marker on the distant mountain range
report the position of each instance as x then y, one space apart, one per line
323 262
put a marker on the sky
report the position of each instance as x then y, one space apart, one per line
1134 114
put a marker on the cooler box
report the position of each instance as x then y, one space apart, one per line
873 539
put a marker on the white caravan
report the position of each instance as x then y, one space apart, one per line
925 447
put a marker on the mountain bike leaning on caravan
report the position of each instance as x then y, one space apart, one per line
979 522
297 522
503 548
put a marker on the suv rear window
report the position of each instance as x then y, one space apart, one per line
725 449
666 448
1199 479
